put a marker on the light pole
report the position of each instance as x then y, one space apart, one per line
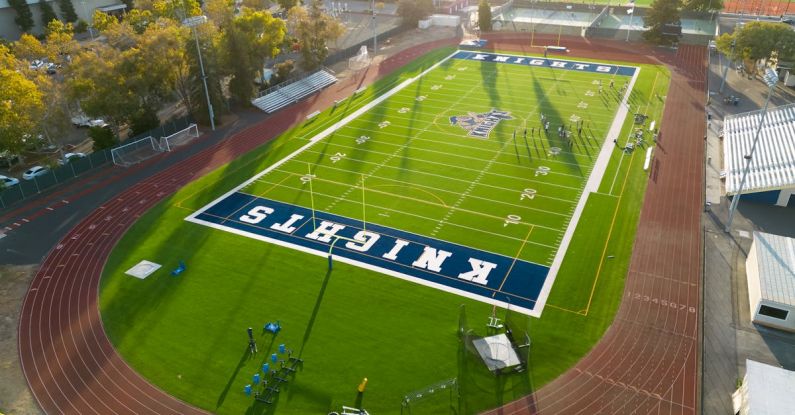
375 29
192 22
631 13
770 78
726 68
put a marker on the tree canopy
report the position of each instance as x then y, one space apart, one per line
313 28
24 18
757 41
661 13
21 103
412 11
67 10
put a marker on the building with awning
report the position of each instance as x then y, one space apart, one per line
771 178
765 390
770 274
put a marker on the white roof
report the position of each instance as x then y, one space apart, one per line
769 389
776 262
773 165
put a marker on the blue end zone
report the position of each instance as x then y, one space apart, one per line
474 273
547 62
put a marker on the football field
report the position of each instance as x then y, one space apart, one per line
469 178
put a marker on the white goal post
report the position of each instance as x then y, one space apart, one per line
135 152
181 137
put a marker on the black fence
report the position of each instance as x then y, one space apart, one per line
351 51
78 166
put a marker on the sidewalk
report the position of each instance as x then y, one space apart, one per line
728 337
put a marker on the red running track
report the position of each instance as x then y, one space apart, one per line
646 362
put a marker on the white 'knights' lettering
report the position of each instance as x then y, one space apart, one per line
256 215
581 66
479 57
557 64
392 254
367 240
601 68
519 60
287 227
431 259
536 62
501 58
480 271
325 231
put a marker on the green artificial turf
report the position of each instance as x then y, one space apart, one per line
187 334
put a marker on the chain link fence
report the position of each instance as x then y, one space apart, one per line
78 166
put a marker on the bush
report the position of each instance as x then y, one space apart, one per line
282 70
81 26
103 137
144 120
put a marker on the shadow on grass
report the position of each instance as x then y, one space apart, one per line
222 397
311 322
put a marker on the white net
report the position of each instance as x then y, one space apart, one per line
135 152
179 138
360 61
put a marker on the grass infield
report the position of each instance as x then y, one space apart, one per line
187 334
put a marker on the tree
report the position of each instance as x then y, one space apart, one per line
412 11
24 17
102 137
139 19
176 10
47 13
313 29
219 12
60 42
67 10
484 16
144 120
28 48
703 5
758 41
21 104
661 13
251 38
287 4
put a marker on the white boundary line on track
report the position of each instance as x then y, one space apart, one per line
592 185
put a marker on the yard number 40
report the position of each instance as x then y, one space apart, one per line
337 157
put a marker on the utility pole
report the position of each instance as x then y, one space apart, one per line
192 22
771 78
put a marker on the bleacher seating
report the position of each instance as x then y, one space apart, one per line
294 92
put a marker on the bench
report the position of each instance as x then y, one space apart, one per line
313 115
359 91
651 126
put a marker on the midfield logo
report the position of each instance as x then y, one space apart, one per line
480 125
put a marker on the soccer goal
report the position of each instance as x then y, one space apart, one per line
135 152
179 138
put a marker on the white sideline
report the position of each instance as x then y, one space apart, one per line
592 185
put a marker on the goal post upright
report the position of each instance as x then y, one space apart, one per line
364 208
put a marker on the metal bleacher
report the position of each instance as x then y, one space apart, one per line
294 92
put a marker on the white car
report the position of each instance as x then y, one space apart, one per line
99 122
34 172
71 156
36 64
713 45
6 181
80 120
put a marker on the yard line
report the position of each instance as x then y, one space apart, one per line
399 150
383 164
413 199
401 183
446 153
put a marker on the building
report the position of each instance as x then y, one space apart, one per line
84 9
771 178
766 390
770 270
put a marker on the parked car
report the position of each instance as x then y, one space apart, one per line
36 64
52 68
69 157
34 172
97 122
6 181
713 45
84 121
